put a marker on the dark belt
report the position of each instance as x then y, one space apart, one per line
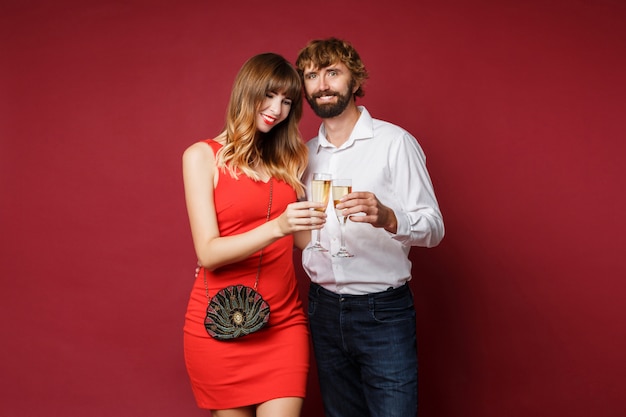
389 293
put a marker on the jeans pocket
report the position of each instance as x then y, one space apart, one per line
396 311
312 306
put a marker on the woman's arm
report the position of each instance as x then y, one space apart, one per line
302 239
212 250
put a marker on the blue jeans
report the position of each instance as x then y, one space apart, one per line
366 352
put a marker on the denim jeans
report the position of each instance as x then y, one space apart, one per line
366 352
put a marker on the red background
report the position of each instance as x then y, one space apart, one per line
518 105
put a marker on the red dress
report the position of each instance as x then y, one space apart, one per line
273 362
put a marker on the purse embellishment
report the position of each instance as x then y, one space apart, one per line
236 311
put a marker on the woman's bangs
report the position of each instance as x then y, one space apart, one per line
287 83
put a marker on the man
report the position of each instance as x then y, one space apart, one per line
361 309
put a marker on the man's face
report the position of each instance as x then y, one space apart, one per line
329 90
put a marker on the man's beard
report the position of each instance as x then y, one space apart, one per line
328 110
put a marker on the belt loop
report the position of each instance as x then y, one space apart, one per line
317 289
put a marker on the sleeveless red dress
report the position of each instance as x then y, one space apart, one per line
273 362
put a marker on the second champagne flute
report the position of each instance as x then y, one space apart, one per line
320 193
341 187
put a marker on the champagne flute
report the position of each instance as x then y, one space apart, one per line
341 187
320 193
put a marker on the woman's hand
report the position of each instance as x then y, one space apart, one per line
300 216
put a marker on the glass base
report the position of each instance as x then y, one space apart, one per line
343 254
317 247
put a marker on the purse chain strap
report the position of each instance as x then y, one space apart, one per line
258 271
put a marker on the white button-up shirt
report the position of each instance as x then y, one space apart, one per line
386 160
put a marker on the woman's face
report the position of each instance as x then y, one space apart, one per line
273 110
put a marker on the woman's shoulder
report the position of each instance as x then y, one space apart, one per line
199 152
201 146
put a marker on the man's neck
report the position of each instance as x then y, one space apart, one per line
339 128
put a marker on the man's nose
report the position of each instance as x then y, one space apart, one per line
323 85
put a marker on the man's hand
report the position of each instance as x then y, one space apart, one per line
364 207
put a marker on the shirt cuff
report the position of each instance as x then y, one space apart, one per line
403 229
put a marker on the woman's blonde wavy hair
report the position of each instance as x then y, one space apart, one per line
281 150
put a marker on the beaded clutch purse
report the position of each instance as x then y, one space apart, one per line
236 311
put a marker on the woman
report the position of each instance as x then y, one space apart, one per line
229 184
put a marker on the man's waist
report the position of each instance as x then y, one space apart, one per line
359 288
378 295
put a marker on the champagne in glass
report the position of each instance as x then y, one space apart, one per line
341 187
320 193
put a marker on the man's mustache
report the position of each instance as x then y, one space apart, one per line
324 94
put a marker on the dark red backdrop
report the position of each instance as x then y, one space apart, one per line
518 105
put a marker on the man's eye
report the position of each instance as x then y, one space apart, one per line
311 76
332 73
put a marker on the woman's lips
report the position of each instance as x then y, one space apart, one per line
269 120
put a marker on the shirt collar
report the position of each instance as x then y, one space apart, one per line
363 129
